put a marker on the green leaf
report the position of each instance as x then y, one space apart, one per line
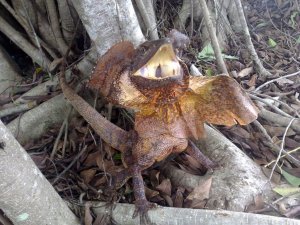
207 53
292 21
229 57
117 156
286 191
294 181
260 25
298 40
209 72
22 217
272 43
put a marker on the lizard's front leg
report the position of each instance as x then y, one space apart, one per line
194 151
141 203
145 153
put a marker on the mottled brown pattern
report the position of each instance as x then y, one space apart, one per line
110 67
171 106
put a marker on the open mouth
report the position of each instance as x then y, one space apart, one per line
163 64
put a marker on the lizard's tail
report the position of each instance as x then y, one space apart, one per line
110 133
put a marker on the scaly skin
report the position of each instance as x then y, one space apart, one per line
171 107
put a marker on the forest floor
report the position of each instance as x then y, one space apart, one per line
79 169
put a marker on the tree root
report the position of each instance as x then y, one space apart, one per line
235 181
122 214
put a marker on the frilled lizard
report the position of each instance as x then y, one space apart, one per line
170 107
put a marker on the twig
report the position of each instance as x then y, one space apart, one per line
281 147
277 79
284 155
273 146
192 17
281 102
17 109
62 128
276 109
263 130
70 165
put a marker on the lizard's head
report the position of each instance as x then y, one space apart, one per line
157 61
158 73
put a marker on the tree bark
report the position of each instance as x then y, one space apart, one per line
122 214
26 197
112 22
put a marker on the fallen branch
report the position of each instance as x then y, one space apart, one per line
280 120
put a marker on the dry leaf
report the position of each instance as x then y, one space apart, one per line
91 159
168 199
154 177
178 199
192 163
276 176
88 175
150 193
165 187
257 204
201 192
245 72
252 81
293 213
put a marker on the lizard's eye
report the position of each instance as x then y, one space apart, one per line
163 64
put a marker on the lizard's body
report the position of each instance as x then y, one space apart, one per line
170 106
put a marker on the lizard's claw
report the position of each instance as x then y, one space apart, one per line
141 209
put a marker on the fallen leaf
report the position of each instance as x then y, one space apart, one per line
252 81
286 191
294 212
257 205
150 193
168 199
201 192
165 187
276 176
284 81
245 72
91 159
154 177
88 175
294 181
178 198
